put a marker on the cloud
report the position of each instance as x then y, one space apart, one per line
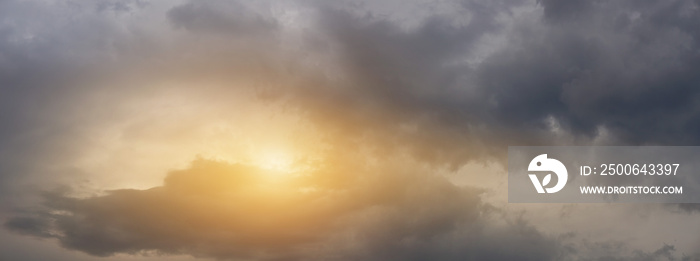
221 210
445 91
229 17
437 88
598 69
602 69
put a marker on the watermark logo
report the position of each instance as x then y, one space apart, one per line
542 163
603 174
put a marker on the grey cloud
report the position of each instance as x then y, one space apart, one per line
563 10
610 252
120 6
29 226
228 17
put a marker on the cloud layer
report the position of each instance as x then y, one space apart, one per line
215 209
380 99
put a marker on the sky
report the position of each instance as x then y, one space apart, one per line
333 130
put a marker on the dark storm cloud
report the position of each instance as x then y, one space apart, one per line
623 69
214 209
627 67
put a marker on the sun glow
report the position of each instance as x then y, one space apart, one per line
276 160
